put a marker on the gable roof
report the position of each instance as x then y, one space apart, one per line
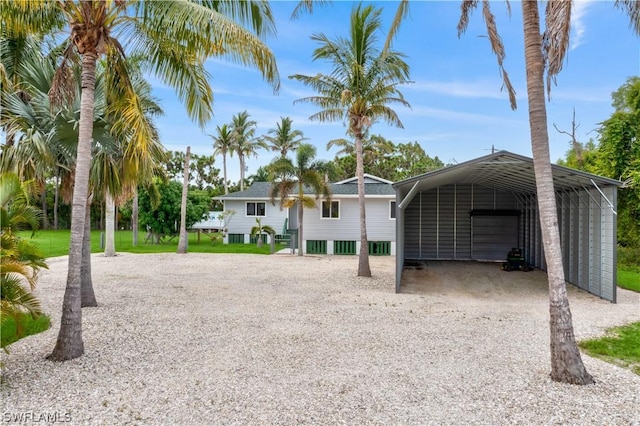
346 188
505 171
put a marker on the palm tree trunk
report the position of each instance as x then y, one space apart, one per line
43 200
109 220
56 196
182 243
134 216
241 171
364 270
300 218
566 363
87 294
69 344
224 168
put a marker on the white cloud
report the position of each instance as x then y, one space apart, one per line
578 26
490 89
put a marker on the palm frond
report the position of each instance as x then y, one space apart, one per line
555 40
632 7
306 6
401 14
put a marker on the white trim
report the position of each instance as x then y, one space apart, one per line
256 209
366 175
330 210
396 212
367 196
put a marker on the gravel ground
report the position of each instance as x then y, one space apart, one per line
203 339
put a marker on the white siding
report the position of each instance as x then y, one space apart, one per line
347 227
241 223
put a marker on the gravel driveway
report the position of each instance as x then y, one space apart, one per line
203 339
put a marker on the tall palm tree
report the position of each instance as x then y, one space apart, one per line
245 144
182 242
223 145
283 138
289 179
117 168
546 51
177 36
362 84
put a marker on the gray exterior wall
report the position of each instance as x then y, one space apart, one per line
438 223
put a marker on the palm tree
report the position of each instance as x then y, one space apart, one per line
260 229
373 147
182 242
359 90
546 52
118 167
20 258
223 145
177 36
244 142
289 177
283 138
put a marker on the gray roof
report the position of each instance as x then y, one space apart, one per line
261 190
504 171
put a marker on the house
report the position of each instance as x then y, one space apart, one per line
213 223
333 227
480 209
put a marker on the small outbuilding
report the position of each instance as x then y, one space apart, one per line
481 209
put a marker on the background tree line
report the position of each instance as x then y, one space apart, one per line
615 153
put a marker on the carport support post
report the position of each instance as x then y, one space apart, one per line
401 206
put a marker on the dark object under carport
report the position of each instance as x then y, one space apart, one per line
515 261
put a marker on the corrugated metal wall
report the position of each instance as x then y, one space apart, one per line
437 224
587 231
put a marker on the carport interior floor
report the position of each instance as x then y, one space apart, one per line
475 279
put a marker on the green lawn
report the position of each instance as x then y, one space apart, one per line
56 243
9 333
629 279
621 346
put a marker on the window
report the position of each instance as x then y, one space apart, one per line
256 209
392 210
331 209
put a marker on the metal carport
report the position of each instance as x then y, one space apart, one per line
478 209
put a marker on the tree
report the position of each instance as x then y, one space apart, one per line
203 173
245 144
182 242
411 160
223 145
161 211
260 229
283 138
289 179
619 157
21 259
363 83
546 52
177 37
261 175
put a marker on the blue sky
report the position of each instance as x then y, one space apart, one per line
458 111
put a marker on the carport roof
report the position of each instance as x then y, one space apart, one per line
505 171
